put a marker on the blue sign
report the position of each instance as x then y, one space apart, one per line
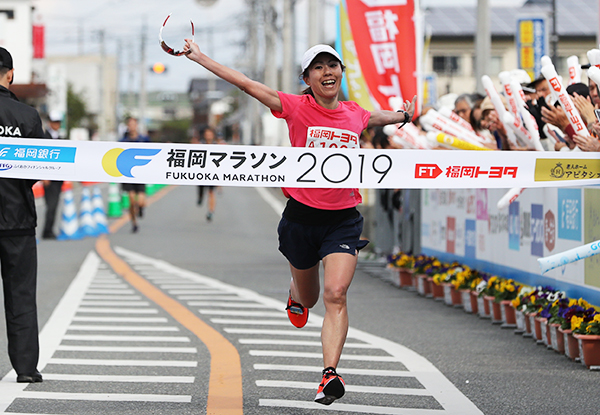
470 238
514 227
569 214
38 153
532 44
537 230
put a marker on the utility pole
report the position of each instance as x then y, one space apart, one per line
143 70
554 36
315 24
288 81
271 44
483 43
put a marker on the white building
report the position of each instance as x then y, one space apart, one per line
16 20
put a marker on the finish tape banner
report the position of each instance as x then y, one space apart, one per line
257 166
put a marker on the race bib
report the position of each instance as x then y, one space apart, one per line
326 137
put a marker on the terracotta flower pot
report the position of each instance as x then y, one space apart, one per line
589 349
495 309
465 295
456 297
474 302
537 332
405 277
437 291
421 284
509 316
429 287
484 307
557 340
571 344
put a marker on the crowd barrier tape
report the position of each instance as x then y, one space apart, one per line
258 166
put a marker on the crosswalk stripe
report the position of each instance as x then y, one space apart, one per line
127 302
116 310
121 319
112 297
258 322
301 343
201 292
139 349
106 291
344 371
298 333
118 378
349 388
122 328
365 358
111 397
347 408
242 313
225 305
100 362
160 339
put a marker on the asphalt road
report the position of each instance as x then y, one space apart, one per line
110 348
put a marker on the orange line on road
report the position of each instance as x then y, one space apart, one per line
225 394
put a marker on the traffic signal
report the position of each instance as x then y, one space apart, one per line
158 68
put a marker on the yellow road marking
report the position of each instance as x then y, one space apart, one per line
225 394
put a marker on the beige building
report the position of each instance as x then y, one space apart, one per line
451 52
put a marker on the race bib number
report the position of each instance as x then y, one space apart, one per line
325 137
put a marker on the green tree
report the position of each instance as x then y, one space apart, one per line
77 114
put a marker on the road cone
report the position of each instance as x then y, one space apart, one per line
98 212
69 227
125 200
114 201
87 226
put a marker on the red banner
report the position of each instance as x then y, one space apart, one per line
38 42
384 35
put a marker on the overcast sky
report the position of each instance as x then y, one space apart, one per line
76 25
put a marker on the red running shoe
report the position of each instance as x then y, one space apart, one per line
332 387
297 313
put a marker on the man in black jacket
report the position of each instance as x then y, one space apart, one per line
18 252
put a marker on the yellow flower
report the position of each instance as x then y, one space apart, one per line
516 302
572 302
597 318
576 322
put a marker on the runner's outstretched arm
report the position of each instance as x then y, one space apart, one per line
266 95
381 117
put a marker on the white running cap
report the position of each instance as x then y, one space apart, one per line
312 53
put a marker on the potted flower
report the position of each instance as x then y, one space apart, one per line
579 309
553 312
437 290
489 295
401 269
520 305
506 291
473 306
587 334
425 266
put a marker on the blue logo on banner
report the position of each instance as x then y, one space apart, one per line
470 238
514 227
38 153
569 214
537 230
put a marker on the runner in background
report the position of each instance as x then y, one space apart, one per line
209 137
317 224
136 192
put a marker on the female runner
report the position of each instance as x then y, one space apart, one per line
317 224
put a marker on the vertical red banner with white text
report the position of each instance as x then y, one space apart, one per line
384 35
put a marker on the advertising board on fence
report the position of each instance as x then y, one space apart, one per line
466 225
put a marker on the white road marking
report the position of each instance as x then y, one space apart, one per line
116 310
349 388
118 378
319 369
305 355
102 338
227 305
299 333
103 291
121 319
345 408
257 322
111 397
124 349
301 343
129 303
276 314
122 328
113 297
105 362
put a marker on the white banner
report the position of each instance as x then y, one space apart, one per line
256 166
